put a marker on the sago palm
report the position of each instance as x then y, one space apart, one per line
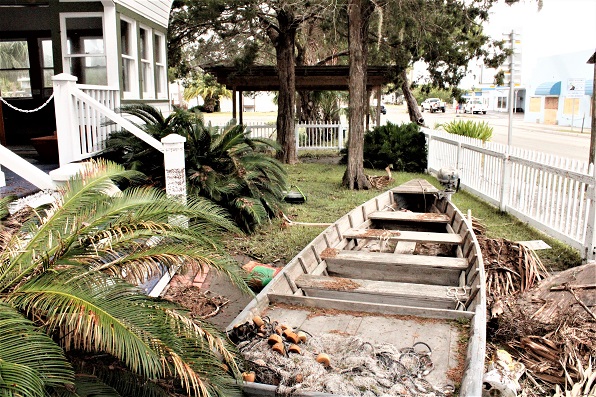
72 321
229 167
235 171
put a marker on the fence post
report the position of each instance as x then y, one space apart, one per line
173 156
66 117
458 157
429 139
297 134
341 130
2 178
589 247
505 182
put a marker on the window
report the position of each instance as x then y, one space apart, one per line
84 53
146 51
161 77
130 84
47 62
15 80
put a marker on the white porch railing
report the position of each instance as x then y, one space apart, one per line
82 116
553 194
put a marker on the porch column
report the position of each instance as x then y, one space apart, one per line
234 103
241 106
66 117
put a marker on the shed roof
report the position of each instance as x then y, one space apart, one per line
313 78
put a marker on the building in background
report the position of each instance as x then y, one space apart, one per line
560 90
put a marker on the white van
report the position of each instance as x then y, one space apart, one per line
475 105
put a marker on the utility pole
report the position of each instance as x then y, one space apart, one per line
511 91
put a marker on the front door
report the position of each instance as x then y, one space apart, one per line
551 107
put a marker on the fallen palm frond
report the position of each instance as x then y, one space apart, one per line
510 268
584 386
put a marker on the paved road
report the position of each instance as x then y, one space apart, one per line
560 141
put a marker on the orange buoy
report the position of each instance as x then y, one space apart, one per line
248 376
274 339
323 359
279 348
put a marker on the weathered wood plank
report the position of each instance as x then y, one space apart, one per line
415 186
365 307
382 292
384 266
405 247
405 216
396 235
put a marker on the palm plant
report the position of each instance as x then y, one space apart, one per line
207 87
235 171
70 323
230 168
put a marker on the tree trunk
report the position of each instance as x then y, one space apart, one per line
413 109
354 177
286 104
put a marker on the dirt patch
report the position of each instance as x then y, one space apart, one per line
329 253
200 304
339 284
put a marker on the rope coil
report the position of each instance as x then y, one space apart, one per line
28 110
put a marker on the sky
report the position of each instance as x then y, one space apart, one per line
561 26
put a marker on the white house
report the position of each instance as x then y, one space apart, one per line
119 44
560 90
116 51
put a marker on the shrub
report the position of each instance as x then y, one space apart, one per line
470 129
403 145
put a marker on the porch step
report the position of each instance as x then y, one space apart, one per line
384 266
381 292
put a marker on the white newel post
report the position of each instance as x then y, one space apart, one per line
505 182
66 118
2 178
589 243
173 156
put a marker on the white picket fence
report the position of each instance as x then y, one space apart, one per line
553 194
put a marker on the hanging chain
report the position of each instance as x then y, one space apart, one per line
27 110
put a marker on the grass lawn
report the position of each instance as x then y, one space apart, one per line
327 201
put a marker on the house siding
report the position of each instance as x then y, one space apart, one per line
157 11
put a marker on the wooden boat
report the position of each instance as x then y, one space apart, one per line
407 255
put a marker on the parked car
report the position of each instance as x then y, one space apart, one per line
433 105
475 106
383 110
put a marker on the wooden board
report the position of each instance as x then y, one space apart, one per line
384 266
365 307
405 216
382 292
396 235
415 186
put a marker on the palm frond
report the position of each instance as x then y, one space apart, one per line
94 313
30 361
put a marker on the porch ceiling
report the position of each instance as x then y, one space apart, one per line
308 78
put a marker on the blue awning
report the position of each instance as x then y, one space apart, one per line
550 88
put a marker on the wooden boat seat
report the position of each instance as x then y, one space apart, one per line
403 235
385 266
382 292
404 216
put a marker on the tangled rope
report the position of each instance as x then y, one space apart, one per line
356 367
28 110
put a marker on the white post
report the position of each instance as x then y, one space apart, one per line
297 134
340 136
2 178
589 244
66 117
173 156
505 182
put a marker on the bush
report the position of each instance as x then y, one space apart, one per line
403 145
470 129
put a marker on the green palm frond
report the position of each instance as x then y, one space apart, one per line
30 361
94 313
88 386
